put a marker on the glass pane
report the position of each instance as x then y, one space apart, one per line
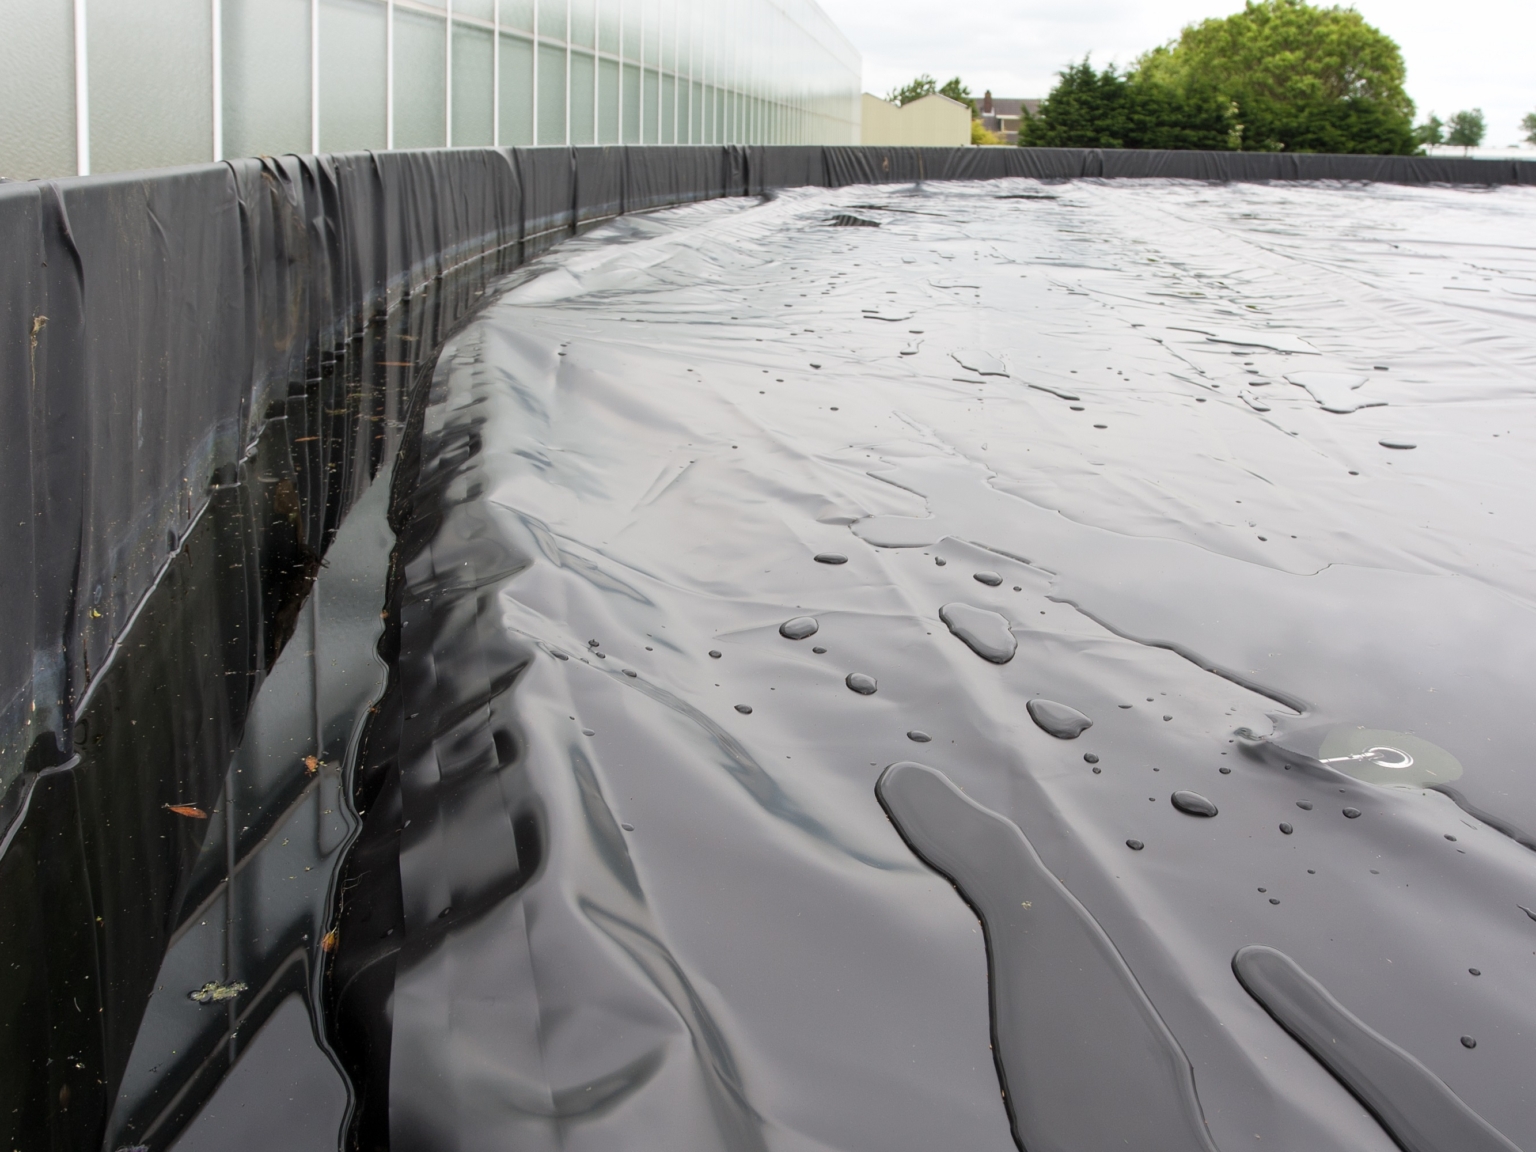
631 104
421 94
517 14
583 98
631 20
476 9
668 110
607 101
584 23
266 77
551 95
516 91
37 90
651 30
552 20
144 112
352 76
667 30
472 51
648 110
608 26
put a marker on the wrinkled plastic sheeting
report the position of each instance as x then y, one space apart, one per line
647 893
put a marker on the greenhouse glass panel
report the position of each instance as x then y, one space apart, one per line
143 114
421 70
551 95
353 80
516 91
266 77
583 99
472 90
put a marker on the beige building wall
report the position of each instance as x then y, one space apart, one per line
933 121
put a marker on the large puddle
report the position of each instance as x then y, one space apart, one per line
1174 543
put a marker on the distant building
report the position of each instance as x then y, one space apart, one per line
933 121
1003 114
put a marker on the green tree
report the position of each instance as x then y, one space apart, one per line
926 85
958 92
1093 109
1467 129
1528 126
1432 131
1303 78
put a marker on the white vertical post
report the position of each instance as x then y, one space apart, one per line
217 7
389 74
496 74
597 68
621 71
535 132
642 74
567 73
82 95
448 78
314 76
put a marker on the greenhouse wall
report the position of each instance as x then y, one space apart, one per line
115 85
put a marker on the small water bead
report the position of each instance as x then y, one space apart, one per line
1224 770
1091 757
940 561
744 709
1475 971
627 827
1192 803
1351 813
1135 845
588 732
819 650
990 579
1287 829
799 628
1059 720
918 736
1304 805
1274 899
1448 836
862 684
1097 770
830 558
631 673
1468 1042
1401 445
713 655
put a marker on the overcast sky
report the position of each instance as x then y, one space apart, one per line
1461 54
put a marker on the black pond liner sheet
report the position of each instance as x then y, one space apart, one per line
674 837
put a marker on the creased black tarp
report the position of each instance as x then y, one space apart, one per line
649 897
158 325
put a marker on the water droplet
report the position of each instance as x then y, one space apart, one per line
1193 803
1468 1042
819 650
1274 899
985 633
940 561
1135 845
1401 445
1351 813
594 644
831 558
713 655
1287 829
798 628
1097 769
1224 770
1304 805
918 737
990 579
627 827
1526 910
561 656
1475 971
1091 757
588 732
862 684
1448 836
744 709
1060 721
1167 717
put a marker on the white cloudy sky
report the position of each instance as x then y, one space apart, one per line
1463 54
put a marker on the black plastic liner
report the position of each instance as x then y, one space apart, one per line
204 371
